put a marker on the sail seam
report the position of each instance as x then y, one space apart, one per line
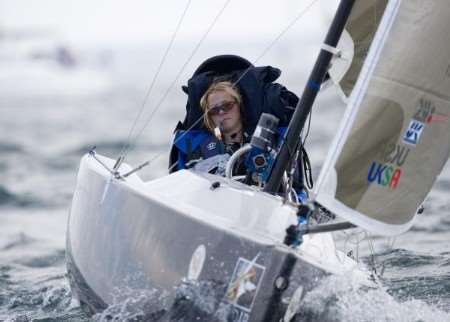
416 88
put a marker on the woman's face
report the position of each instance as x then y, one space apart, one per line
224 112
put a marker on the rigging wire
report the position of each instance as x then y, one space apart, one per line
372 254
308 128
146 163
278 37
289 26
150 89
158 105
353 238
265 51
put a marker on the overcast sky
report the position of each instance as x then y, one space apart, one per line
120 21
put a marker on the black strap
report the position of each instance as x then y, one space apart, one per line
307 169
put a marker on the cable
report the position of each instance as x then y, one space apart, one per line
147 122
277 38
150 89
292 23
289 26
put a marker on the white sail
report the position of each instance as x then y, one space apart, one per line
360 31
395 136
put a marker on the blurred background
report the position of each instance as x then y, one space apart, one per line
76 74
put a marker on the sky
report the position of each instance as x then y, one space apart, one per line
282 33
132 21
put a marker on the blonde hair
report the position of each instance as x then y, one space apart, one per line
224 86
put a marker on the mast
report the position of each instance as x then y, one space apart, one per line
305 103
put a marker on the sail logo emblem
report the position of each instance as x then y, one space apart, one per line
413 132
387 171
426 114
244 284
211 146
384 175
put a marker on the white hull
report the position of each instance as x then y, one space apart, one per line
139 235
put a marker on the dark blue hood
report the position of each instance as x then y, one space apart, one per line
259 92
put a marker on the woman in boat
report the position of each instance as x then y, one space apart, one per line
221 105
229 95
251 88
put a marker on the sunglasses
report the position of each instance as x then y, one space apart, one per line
224 107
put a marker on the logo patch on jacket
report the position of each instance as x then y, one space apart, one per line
211 146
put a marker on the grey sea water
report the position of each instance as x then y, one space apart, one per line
44 134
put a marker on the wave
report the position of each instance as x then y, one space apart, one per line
403 258
445 262
43 301
20 239
50 260
434 290
100 146
111 146
10 147
443 184
339 298
8 198
193 301
114 148
419 276
62 164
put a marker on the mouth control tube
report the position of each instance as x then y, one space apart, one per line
219 136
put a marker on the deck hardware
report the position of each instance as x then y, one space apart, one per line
215 185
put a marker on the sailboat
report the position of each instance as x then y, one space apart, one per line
244 243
